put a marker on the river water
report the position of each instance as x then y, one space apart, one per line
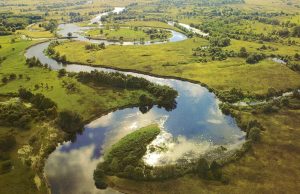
195 127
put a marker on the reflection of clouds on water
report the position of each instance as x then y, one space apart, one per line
169 150
103 121
120 127
72 172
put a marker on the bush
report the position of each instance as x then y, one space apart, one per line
7 142
254 134
202 168
254 58
70 122
99 178
62 72
6 166
216 170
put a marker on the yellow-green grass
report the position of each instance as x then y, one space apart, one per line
253 46
154 24
268 5
176 59
271 166
126 33
35 34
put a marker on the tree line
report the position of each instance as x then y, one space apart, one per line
166 95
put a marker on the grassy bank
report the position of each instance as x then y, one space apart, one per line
176 59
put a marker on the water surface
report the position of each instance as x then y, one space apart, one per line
194 128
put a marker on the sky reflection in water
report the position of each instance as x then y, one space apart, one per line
195 126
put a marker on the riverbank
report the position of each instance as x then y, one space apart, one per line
176 60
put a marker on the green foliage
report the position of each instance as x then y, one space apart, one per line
219 41
70 122
15 115
243 53
62 73
95 47
165 94
5 166
216 170
99 178
296 31
232 95
124 157
254 58
254 134
202 168
38 100
7 142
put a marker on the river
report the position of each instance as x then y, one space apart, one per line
196 127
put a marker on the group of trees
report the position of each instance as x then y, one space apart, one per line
95 47
255 58
38 100
50 26
157 33
165 94
124 157
10 22
219 41
10 77
7 142
15 115
67 121
70 122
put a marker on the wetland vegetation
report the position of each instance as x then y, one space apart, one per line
105 77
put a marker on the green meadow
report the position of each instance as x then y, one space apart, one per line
176 59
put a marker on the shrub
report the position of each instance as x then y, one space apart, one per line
254 134
62 72
6 166
7 142
216 170
202 168
254 58
70 122
99 178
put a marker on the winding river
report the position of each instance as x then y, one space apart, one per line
194 128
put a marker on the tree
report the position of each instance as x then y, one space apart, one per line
62 72
99 178
202 168
254 134
70 122
243 52
69 34
216 171
296 31
12 76
4 80
254 58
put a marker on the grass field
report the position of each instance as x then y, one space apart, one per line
175 59
122 33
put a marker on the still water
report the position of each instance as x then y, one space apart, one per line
195 127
